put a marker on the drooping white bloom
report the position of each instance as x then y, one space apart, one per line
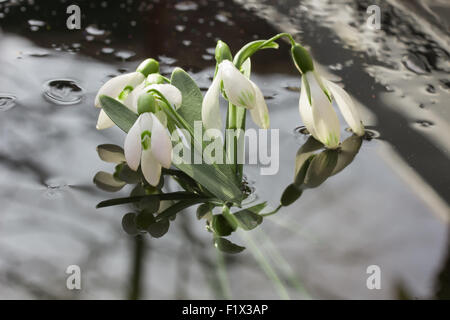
113 88
318 114
239 90
148 144
347 107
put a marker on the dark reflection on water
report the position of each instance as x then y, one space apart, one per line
386 208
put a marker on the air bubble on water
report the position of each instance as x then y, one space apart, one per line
166 60
7 101
186 6
63 91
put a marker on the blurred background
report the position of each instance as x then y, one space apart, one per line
389 207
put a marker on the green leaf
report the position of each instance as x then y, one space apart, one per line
191 107
221 226
204 209
129 224
123 117
159 196
214 180
124 173
257 208
227 246
144 219
177 207
247 219
111 153
107 182
159 228
290 195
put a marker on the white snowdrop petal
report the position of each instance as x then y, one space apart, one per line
326 122
347 107
151 168
114 86
260 113
170 92
161 145
238 88
306 110
104 122
210 106
132 146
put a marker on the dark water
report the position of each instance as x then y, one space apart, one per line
388 208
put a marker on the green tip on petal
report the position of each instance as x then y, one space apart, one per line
155 78
146 103
148 66
223 52
302 59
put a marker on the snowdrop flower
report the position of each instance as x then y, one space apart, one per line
315 104
114 88
148 144
239 90
120 87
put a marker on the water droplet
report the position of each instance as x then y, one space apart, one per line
211 51
424 123
431 89
107 50
36 23
186 6
37 53
336 67
166 60
180 28
93 30
7 101
187 43
54 189
63 91
125 54
207 57
292 88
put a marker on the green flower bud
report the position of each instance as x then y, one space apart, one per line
148 66
223 52
302 59
154 78
146 103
